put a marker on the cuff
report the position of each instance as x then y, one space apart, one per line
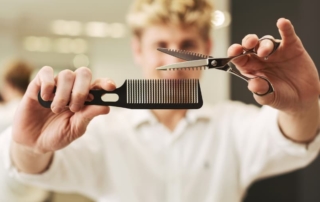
290 146
33 179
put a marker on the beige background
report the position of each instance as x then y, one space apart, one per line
108 57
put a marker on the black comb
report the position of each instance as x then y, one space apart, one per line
149 94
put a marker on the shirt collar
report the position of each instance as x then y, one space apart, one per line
193 115
140 117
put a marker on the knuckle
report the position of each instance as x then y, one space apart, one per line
67 74
61 101
83 69
79 95
46 68
45 71
267 37
86 72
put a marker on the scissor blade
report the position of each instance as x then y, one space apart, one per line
184 55
188 64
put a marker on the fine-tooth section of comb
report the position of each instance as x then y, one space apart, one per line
150 94
157 91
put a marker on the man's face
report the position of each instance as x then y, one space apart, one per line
149 58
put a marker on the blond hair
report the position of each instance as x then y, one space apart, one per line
18 73
144 13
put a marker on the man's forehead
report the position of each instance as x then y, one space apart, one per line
171 32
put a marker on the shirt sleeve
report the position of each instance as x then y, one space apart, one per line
76 168
13 190
263 150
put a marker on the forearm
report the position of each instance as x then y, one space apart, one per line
301 126
28 161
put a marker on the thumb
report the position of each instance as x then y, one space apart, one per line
91 111
287 31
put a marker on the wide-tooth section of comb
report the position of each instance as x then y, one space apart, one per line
165 91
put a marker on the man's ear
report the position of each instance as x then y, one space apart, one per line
136 50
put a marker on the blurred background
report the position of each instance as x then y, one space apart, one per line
70 34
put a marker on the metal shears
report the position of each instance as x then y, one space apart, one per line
196 61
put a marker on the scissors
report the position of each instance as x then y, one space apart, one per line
196 61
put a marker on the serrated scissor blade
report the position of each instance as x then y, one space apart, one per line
188 64
184 55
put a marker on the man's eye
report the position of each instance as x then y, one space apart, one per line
162 44
188 46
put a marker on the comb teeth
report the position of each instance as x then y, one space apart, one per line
167 91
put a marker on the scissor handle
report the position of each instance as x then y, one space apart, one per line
270 90
247 79
276 44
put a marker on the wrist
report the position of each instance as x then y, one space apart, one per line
301 125
27 160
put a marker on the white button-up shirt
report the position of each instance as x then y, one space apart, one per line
213 155
12 190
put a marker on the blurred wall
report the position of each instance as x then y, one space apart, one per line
260 17
27 30
23 23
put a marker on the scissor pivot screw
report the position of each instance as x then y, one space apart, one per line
214 63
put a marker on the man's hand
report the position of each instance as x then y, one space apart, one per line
38 131
293 75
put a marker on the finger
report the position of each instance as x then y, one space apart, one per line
237 49
265 47
260 86
105 83
286 31
44 81
65 81
80 89
91 111
250 41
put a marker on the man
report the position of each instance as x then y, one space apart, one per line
210 154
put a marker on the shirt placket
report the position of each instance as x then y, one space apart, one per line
173 172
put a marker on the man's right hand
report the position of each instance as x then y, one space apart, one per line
37 131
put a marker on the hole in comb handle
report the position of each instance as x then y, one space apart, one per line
110 97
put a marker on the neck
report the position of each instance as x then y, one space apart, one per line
169 118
